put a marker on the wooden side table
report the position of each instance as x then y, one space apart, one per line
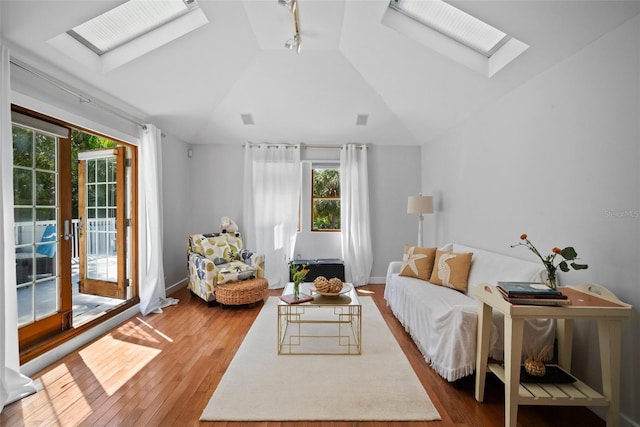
587 302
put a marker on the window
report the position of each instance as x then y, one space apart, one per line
126 22
454 23
325 199
128 31
454 33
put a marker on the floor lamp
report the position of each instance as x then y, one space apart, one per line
420 205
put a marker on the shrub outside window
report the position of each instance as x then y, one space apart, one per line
325 199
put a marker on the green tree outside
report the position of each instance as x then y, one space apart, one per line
325 199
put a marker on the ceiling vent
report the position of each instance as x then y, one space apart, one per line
247 119
362 119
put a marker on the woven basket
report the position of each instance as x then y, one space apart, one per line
332 285
534 368
243 292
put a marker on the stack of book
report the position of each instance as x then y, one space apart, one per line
532 293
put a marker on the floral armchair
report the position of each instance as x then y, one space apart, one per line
218 258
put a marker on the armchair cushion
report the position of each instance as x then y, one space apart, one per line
218 247
233 271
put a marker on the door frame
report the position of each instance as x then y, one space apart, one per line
34 342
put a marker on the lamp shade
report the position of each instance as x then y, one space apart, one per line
420 204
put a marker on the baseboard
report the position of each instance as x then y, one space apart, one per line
177 286
377 280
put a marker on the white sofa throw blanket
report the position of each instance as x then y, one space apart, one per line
443 321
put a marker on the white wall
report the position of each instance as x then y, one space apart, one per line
394 173
215 187
558 159
176 213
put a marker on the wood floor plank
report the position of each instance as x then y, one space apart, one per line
161 370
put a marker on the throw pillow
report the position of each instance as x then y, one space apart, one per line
233 271
451 269
417 262
48 236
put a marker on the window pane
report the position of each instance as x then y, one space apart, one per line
22 146
46 298
24 232
326 183
22 187
326 214
101 166
45 152
45 188
25 305
91 171
46 214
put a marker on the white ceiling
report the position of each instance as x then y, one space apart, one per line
197 86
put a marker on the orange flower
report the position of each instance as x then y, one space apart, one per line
523 236
557 250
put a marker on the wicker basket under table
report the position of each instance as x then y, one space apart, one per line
243 292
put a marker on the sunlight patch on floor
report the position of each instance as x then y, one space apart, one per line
166 337
130 359
53 382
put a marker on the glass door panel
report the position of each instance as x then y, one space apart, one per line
102 236
36 209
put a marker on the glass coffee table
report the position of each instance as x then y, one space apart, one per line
324 325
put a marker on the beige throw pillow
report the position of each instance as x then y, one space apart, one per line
417 262
451 269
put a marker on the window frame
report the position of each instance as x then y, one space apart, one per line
313 198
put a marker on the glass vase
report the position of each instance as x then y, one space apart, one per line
296 290
552 280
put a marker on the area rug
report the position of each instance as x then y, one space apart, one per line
378 385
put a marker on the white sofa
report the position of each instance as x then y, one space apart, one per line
443 321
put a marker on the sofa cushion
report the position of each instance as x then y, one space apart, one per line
451 269
417 262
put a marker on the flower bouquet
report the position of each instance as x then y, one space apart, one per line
298 274
568 255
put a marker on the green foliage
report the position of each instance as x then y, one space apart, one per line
326 183
326 199
35 167
34 172
81 141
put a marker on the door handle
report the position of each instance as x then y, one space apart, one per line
67 235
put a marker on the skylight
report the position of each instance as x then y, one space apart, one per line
127 22
453 23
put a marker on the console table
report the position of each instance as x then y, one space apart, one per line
587 302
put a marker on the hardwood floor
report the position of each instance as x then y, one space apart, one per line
161 370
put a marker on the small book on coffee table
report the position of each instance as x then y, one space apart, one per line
291 299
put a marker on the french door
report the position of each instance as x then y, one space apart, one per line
41 166
101 207
74 202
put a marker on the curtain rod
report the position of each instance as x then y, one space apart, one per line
308 146
74 92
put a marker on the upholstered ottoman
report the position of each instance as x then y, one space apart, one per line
242 292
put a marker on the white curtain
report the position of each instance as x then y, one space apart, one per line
271 196
13 385
153 295
354 214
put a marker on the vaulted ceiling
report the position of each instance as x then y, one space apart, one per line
197 87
